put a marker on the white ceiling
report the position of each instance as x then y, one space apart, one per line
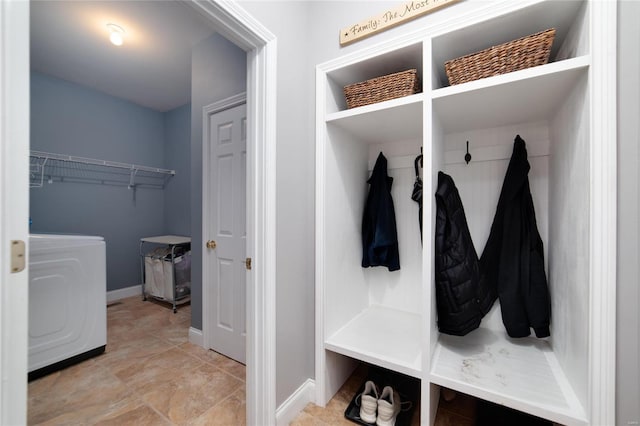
70 40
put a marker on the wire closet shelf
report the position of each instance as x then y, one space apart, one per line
46 167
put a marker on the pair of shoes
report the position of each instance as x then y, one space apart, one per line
381 410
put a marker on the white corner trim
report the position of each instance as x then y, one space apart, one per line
234 23
123 293
196 337
296 402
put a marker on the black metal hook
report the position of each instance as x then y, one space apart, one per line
467 156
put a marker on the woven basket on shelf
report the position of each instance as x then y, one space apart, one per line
525 52
383 88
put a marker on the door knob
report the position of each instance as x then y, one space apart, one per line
211 244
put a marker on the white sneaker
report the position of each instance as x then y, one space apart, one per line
388 407
369 402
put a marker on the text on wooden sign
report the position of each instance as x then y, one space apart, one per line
390 18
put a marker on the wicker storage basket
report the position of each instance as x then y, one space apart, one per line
525 52
383 88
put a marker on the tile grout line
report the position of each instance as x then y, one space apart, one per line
162 416
243 380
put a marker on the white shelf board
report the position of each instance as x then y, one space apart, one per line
519 373
528 95
386 337
398 119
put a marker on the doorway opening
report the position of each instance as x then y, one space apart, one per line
235 24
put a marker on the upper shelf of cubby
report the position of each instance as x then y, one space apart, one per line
567 17
523 96
382 63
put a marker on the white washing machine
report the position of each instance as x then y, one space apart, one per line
67 301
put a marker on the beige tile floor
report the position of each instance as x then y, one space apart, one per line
149 375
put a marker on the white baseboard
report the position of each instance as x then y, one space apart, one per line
123 293
196 337
296 403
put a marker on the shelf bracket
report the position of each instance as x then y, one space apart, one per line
132 176
39 169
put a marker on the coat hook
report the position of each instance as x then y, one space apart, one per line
467 156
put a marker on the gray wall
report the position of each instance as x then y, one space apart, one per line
218 70
290 22
70 119
177 154
628 352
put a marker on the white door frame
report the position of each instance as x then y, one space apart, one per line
14 207
234 23
207 187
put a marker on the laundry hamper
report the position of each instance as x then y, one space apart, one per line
159 274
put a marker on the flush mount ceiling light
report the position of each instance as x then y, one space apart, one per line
116 34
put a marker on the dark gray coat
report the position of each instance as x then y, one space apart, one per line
513 258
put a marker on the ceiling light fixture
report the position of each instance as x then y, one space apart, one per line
116 34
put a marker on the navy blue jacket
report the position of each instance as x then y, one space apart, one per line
379 233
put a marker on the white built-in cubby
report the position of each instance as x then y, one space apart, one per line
565 112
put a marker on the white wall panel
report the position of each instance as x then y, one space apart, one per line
347 292
569 251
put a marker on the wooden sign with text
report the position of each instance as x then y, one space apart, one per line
390 18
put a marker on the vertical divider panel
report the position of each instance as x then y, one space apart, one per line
432 161
603 225
569 250
320 357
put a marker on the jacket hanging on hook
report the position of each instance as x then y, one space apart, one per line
513 257
379 232
463 295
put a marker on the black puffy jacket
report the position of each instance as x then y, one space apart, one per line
513 257
463 296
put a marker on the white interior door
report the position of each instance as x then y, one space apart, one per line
14 209
225 139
